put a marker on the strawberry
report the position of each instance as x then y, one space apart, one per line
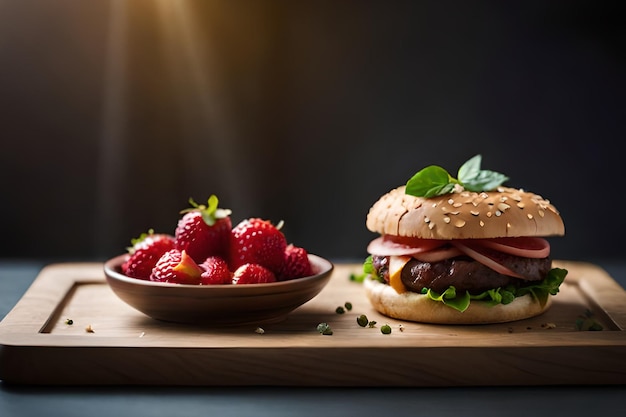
204 231
145 252
176 267
257 241
295 265
215 271
253 274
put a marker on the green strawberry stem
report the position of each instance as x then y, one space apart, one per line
211 213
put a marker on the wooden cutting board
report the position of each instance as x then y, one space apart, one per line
38 346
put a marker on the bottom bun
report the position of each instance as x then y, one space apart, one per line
412 306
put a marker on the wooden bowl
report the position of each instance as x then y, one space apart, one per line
217 305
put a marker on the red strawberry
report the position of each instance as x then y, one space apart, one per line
215 271
257 241
253 274
204 231
176 267
296 264
145 252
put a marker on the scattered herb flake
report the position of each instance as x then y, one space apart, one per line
348 305
385 329
362 320
89 329
340 310
324 329
585 322
357 277
69 322
371 324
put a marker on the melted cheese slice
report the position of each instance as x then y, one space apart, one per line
396 263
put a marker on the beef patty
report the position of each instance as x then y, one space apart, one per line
464 273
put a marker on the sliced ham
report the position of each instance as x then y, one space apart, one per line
484 258
396 246
438 254
481 250
527 247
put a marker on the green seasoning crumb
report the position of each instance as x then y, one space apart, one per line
367 269
324 329
69 322
340 310
348 305
357 277
586 322
385 329
362 320
371 324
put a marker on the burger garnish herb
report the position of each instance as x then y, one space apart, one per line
467 243
434 180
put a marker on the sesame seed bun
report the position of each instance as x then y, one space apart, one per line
506 212
417 307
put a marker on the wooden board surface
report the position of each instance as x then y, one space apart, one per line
37 346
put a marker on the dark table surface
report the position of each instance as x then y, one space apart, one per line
16 277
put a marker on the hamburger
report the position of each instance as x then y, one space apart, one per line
463 250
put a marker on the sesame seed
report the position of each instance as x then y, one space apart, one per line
498 213
426 219
508 225
489 214
450 201
474 213
503 206
459 223
431 225
446 219
541 213
482 223
457 205
530 216
521 205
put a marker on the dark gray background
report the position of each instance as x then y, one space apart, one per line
114 113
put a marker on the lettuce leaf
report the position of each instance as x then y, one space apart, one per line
450 298
539 290
368 270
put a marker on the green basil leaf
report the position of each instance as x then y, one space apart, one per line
429 182
475 179
484 181
434 180
470 169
